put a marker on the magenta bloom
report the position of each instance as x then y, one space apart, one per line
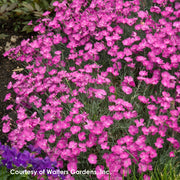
72 166
82 136
112 89
146 177
127 162
52 138
92 159
99 170
139 123
75 129
133 130
171 154
7 97
159 142
100 93
6 127
127 89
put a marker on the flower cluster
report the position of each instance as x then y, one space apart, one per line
100 84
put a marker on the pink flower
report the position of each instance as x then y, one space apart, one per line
5 118
140 58
145 130
127 42
159 142
106 120
151 107
129 114
177 5
9 107
6 127
117 149
146 177
42 144
48 126
128 140
127 52
139 123
120 54
52 138
172 140
56 40
69 177
143 73
175 142
9 85
88 46
77 119
128 59
142 14
72 145
82 147
141 140
143 99
98 128
155 9
128 80
105 146
72 166
171 154
75 129
46 13
55 3
153 130
133 130
145 157
142 167
7 97
99 170
89 125
67 135
57 127
62 144
127 89
92 159
100 93
29 135
99 46
153 153
112 89
82 136
118 116
124 155
131 65
127 163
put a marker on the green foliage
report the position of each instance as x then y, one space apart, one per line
6 175
21 12
168 173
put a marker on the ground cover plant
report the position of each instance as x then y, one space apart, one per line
101 90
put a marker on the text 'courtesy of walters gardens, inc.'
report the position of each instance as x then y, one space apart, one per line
56 172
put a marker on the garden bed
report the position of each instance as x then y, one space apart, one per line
97 90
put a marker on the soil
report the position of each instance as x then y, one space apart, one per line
6 68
